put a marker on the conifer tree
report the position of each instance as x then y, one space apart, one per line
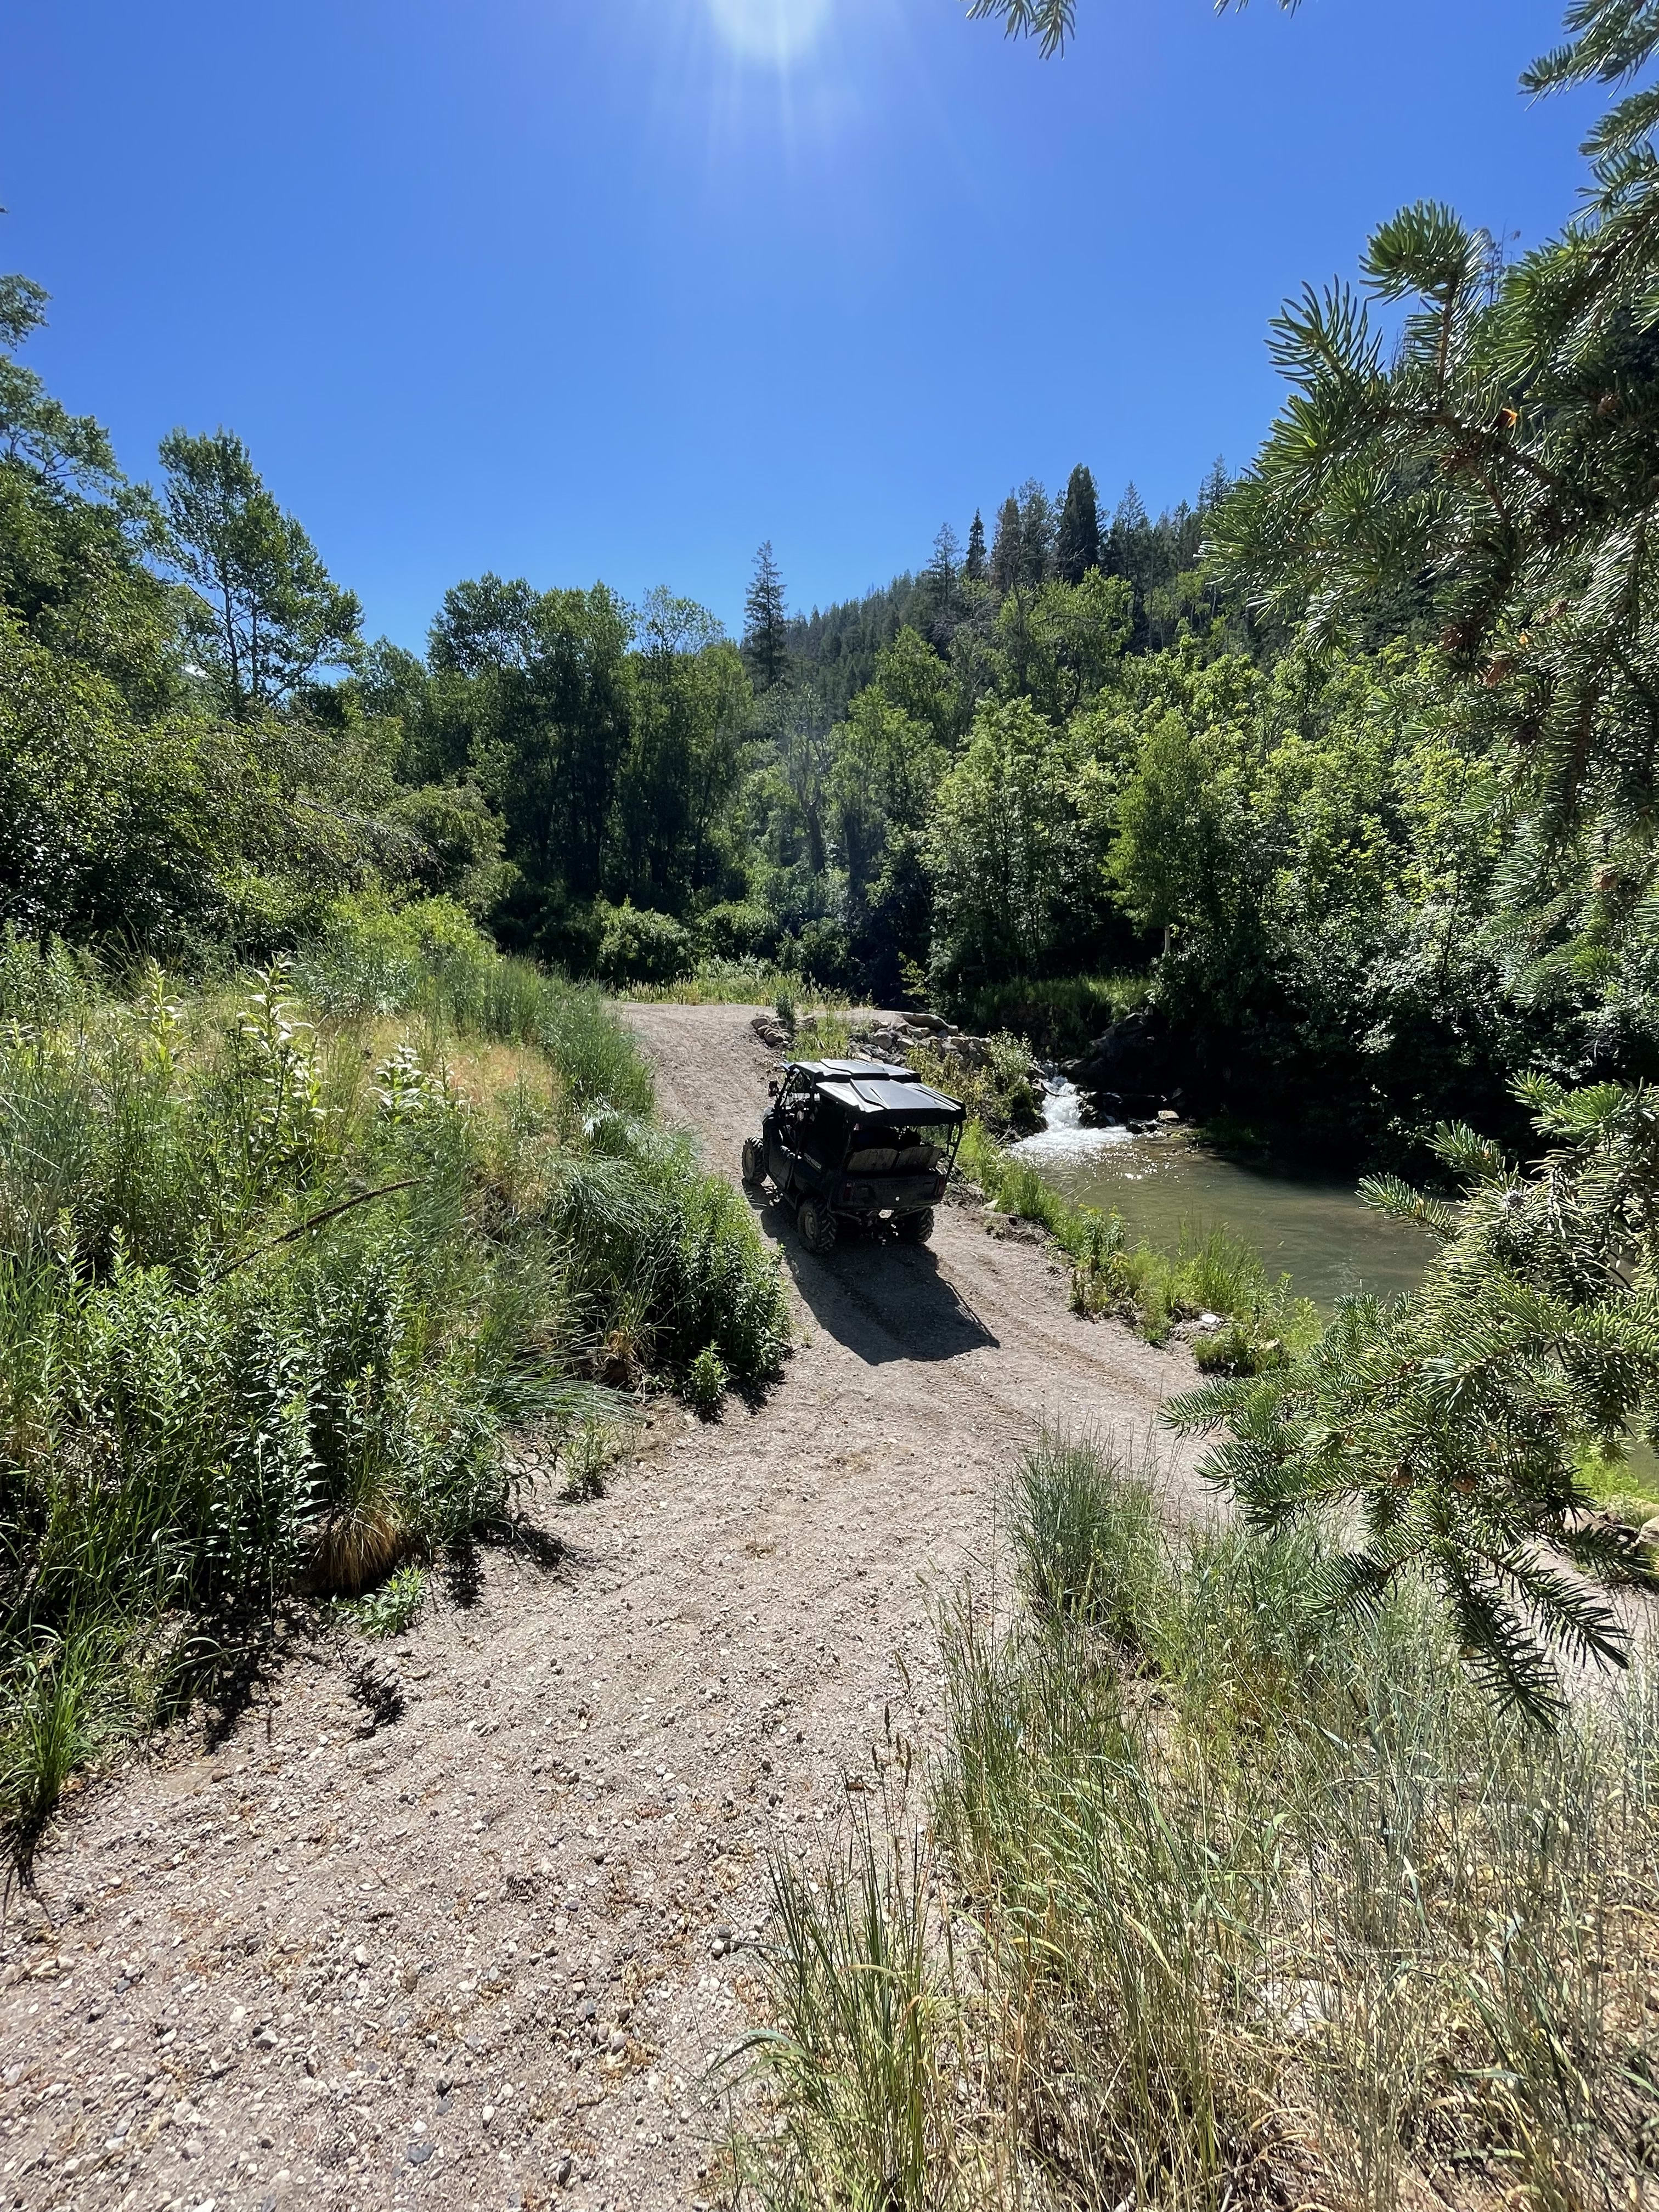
973 567
765 623
1036 534
1454 1424
1077 548
1215 487
944 567
1006 548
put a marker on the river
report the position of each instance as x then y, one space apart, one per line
1319 1232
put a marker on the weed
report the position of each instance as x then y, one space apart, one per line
396 1606
706 1383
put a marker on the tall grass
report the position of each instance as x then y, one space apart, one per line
277 1275
1267 1905
736 982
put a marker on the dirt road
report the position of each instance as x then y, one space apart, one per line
481 1955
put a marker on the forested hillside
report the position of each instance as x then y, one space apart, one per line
1348 768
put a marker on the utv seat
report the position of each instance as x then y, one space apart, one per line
875 1159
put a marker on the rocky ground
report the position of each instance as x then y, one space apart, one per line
468 1929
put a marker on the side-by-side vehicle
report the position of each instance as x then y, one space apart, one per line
859 1142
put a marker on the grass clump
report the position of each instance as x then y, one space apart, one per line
278 1274
1260 1903
736 982
855 2065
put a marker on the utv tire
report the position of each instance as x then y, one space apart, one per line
754 1163
817 1226
916 1228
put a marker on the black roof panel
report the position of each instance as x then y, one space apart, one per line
841 1071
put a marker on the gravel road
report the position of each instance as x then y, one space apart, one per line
480 1951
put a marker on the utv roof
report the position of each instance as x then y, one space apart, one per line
842 1070
874 1086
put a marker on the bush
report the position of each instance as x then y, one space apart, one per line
819 952
639 946
738 929
1060 1014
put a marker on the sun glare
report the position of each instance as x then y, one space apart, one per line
770 30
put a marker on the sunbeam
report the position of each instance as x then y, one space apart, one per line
775 30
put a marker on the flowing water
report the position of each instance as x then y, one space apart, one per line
1320 1233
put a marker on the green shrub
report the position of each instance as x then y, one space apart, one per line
639 946
738 929
396 1606
1060 1015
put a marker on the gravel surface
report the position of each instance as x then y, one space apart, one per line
470 1930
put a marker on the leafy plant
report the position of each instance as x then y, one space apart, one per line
706 1381
396 1606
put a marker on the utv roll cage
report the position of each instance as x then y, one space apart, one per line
857 1141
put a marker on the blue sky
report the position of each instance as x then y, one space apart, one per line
582 288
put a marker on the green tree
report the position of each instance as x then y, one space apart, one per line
1076 547
266 615
1015 869
1006 548
552 718
765 623
974 563
74 534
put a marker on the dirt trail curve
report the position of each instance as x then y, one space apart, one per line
480 1954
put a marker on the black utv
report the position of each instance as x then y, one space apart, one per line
857 1141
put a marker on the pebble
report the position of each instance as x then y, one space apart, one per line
562 2171
420 2152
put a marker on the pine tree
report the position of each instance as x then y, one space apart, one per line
1452 1426
1036 534
1076 549
973 567
1215 487
765 623
944 567
1006 548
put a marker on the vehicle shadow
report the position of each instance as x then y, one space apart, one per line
882 1299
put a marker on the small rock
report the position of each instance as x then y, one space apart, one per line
487 2114
443 2085
1648 1534
420 2152
722 1942
563 2170
360 1956
266 2039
